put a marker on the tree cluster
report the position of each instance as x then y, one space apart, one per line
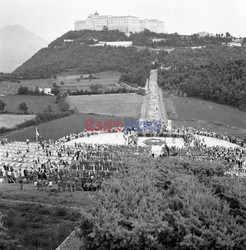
62 102
100 91
9 77
212 73
26 91
145 38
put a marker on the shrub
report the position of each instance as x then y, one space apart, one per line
156 204
23 107
141 91
2 105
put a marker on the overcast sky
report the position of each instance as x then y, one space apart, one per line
52 18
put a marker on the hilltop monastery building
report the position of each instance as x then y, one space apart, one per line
124 24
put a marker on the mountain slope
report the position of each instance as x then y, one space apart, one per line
76 54
17 44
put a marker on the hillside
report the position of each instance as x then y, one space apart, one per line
215 73
17 44
60 56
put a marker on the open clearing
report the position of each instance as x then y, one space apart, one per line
58 128
35 104
197 113
10 121
107 79
121 105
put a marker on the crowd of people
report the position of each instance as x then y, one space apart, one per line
84 166
78 167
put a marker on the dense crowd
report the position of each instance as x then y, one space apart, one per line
78 167
84 166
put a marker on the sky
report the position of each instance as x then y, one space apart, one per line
50 19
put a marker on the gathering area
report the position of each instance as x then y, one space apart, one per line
81 162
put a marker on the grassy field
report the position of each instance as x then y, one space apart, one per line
106 78
35 104
38 220
10 121
58 128
121 105
191 112
31 219
79 199
11 88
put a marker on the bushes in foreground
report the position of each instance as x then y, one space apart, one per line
167 205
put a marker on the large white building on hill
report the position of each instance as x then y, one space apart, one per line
124 24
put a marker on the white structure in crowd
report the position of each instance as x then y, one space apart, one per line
124 24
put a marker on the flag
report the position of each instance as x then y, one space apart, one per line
167 149
37 132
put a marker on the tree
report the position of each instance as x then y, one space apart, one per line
23 90
2 105
63 105
105 28
23 107
56 90
228 35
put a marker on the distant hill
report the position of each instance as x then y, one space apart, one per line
17 44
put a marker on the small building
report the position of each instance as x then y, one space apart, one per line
158 39
47 91
234 44
115 44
